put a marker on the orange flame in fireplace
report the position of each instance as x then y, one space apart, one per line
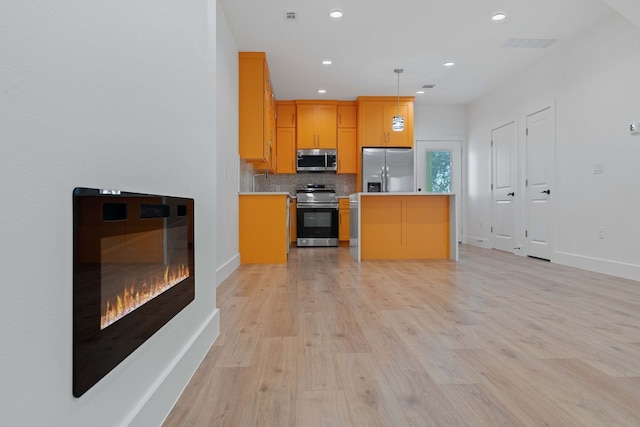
136 295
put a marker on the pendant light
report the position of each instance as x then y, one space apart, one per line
397 125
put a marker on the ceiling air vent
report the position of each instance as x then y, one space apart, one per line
290 16
429 86
529 43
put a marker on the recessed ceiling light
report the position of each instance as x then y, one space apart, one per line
336 13
327 62
420 92
449 64
322 91
499 16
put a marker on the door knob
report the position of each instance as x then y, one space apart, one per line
546 192
511 194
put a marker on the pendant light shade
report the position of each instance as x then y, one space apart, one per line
397 125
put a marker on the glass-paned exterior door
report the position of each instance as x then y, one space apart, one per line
438 172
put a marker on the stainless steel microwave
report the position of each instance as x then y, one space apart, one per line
317 160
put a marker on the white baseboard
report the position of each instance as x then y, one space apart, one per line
156 405
227 268
159 401
604 266
482 242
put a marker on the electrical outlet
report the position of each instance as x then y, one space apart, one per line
277 187
601 232
598 168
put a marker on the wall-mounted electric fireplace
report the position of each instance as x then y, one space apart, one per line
133 270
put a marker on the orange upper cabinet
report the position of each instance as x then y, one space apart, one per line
375 115
316 124
286 150
285 114
347 151
346 114
286 137
256 119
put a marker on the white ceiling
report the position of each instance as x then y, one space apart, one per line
374 37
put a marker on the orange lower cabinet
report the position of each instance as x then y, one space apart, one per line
263 229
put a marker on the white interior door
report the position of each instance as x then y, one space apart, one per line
504 168
439 170
540 164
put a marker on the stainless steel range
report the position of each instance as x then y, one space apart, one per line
317 219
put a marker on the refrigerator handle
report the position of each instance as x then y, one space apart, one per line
383 180
386 179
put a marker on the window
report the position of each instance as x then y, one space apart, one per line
438 171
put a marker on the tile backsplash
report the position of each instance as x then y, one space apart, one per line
345 184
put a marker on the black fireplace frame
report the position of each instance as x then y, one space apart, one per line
97 351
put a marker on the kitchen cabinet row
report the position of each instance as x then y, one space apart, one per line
271 131
307 125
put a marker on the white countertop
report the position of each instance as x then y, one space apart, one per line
355 197
421 193
265 193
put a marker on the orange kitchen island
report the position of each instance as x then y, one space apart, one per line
403 226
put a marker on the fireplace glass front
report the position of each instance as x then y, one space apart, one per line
133 270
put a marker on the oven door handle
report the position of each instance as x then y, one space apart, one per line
317 205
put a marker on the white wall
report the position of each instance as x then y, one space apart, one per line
108 94
228 249
439 122
593 83
630 9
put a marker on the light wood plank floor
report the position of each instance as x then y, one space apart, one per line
493 340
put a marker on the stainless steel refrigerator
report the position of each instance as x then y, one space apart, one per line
387 170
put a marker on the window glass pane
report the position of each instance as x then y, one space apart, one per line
438 171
